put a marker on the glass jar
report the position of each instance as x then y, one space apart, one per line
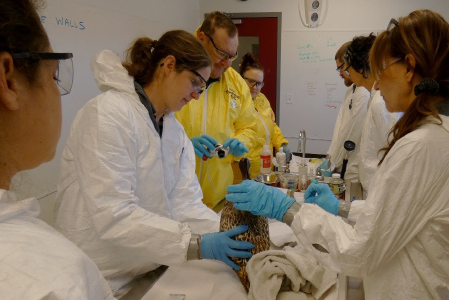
337 185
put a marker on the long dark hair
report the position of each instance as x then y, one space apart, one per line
425 35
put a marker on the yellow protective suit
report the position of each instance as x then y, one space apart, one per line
264 111
229 113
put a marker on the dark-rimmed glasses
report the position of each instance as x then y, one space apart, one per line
223 54
199 89
64 73
392 24
339 67
251 82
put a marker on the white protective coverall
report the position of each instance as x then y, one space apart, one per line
127 197
399 245
36 262
349 126
377 125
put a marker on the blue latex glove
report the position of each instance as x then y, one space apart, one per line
259 199
324 165
220 246
288 153
201 142
236 147
321 195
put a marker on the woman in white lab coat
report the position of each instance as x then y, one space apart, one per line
399 244
128 194
36 262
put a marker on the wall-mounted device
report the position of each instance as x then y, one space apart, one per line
312 12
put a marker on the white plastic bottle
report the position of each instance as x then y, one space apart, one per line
281 160
265 160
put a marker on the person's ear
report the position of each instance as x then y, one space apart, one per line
8 82
169 64
410 69
201 36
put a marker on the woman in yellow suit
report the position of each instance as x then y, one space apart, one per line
267 129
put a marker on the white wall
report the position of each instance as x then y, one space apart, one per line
343 15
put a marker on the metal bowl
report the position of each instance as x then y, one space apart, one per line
270 179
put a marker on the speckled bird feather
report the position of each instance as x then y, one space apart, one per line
257 234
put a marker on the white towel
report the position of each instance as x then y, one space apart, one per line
280 274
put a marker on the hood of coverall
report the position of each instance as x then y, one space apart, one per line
110 74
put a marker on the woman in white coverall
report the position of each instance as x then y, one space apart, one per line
36 262
399 244
128 195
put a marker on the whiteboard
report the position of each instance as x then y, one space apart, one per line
309 75
85 29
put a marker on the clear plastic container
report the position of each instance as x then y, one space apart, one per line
287 179
337 185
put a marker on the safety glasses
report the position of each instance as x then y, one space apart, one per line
199 88
64 73
222 54
251 82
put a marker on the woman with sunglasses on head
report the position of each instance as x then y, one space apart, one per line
399 243
128 194
267 129
36 262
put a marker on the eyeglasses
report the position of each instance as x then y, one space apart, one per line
64 73
222 54
339 67
199 88
386 66
346 71
251 82
392 23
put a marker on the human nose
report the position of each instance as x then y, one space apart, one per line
195 95
226 62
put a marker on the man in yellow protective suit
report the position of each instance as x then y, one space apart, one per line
224 114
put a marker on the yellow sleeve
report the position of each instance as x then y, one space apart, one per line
245 124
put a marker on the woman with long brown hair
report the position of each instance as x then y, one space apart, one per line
399 244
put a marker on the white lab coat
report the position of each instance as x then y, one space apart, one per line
128 198
376 127
36 262
400 242
349 127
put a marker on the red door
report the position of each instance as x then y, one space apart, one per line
266 29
